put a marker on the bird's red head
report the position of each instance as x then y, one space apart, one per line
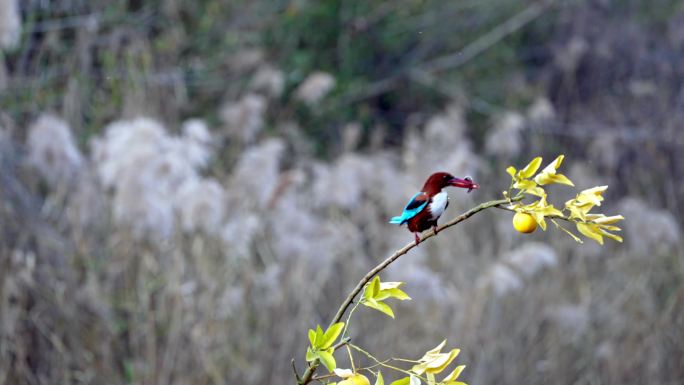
437 181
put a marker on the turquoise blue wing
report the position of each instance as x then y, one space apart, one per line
414 206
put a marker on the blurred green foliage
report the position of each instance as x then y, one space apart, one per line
173 59
365 42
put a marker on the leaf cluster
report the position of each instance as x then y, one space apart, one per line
529 183
377 292
321 347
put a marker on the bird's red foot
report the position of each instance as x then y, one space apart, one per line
417 238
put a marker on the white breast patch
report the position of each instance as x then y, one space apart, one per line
438 205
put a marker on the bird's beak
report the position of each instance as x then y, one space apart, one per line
467 182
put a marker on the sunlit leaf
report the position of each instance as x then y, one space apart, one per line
511 171
402 381
611 235
379 380
327 359
440 363
319 336
604 220
414 380
577 210
430 353
548 210
331 335
419 368
390 285
548 175
592 195
430 379
539 218
549 178
392 293
381 306
454 374
531 168
529 187
312 337
310 355
556 162
372 288
590 231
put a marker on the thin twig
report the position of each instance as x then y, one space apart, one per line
294 368
343 342
550 216
382 363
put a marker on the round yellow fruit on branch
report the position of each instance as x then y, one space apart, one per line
524 222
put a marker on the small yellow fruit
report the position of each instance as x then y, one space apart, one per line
524 222
356 379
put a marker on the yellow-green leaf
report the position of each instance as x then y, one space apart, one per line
612 236
454 374
578 210
430 355
604 220
319 337
312 337
331 335
419 368
556 162
372 288
401 381
590 231
413 380
529 187
379 380
390 285
392 293
430 378
377 305
548 175
327 359
310 355
440 363
549 210
548 178
531 168
434 350
511 171
539 218
591 195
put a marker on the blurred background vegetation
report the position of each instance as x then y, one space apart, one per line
187 187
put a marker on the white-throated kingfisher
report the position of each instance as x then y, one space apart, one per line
425 208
